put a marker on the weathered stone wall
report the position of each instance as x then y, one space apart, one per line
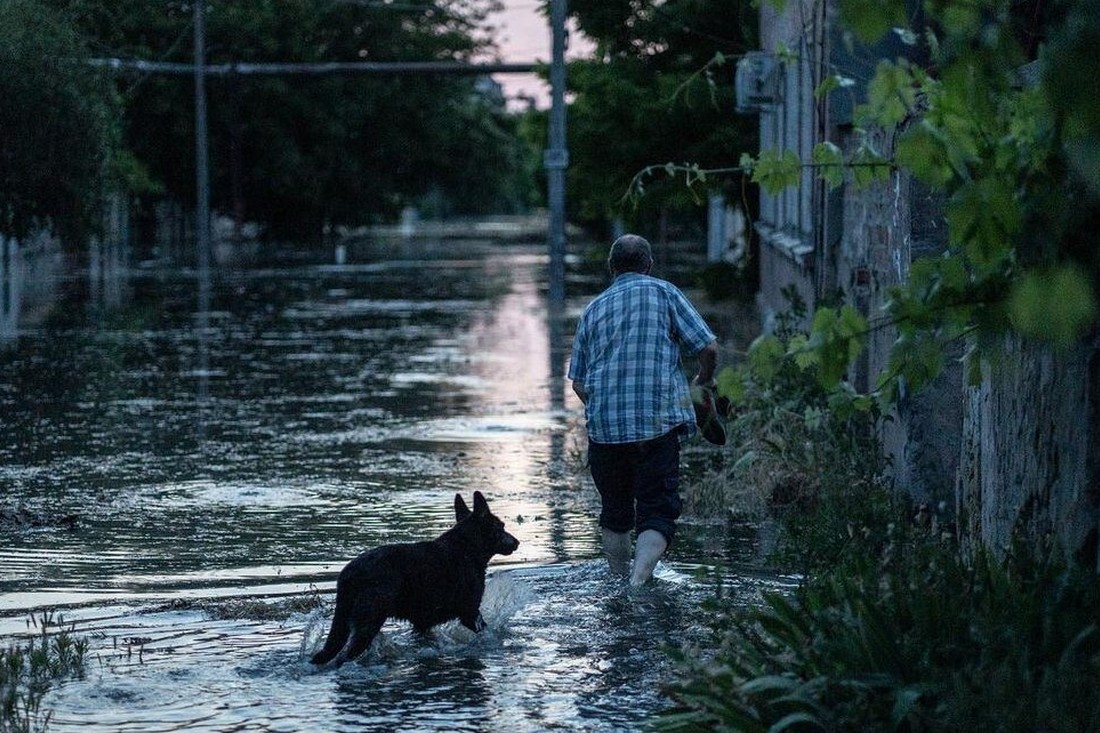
1029 448
1016 456
779 271
885 227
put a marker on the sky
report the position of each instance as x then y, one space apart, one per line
524 35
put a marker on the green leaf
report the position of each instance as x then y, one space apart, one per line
1057 304
891 94
983 216
921 151
830 163
797 719
869 166
776 171
837 335
730 383
765 355
905 699
862 403
804 355
828 84
907 36
872 19
770 685
962 19
746 460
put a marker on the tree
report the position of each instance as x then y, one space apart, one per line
297 153
59 127
658 88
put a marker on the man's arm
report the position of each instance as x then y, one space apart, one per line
708 363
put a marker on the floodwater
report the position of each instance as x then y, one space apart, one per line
199 491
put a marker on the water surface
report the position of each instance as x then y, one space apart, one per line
215 481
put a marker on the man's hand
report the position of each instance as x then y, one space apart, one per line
708 363
581 394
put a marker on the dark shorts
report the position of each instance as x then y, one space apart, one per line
639 484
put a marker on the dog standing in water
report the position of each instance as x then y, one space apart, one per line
425 583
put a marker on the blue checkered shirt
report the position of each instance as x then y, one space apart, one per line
626 358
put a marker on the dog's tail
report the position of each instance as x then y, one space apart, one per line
337 634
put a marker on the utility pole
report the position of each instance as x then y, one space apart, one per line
556 156
202 209
202 175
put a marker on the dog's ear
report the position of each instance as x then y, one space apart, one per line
461 510
480 505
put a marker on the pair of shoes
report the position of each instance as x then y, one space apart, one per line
707 414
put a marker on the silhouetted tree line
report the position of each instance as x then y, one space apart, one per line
294 153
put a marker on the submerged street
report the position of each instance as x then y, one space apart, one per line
199 491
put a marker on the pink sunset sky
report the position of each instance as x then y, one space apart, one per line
523 34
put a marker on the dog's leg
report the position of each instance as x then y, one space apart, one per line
370 612
337 633
361 637
473 621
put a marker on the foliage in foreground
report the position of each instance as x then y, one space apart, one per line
1013 157
902 636
28 669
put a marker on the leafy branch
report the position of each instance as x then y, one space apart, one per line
694 175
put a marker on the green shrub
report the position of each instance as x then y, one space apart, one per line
890 629
903 636
793 456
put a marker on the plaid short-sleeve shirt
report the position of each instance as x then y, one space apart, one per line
626 357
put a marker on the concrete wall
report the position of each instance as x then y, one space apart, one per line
1028 470
885 228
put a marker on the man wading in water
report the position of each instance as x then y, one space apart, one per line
625 367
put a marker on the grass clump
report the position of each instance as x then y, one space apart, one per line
903 637
30 667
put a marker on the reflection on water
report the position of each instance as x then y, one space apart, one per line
324 410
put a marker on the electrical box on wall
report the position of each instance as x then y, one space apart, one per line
757 82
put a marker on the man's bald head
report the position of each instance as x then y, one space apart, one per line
630 253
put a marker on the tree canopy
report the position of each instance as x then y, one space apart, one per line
658 88
59 137
298 152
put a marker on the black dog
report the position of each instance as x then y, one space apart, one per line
426 583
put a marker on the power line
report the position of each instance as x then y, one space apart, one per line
317 69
